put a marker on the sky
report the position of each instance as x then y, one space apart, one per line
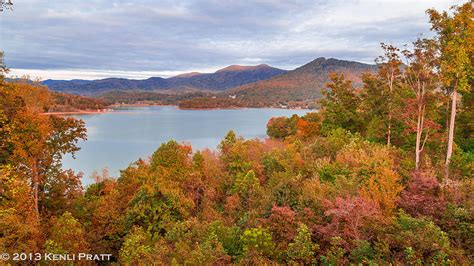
77 39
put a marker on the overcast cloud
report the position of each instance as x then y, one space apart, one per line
138 39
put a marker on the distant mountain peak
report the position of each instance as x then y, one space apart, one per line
319 59
324 60
187 75
332 64
301 85
243 68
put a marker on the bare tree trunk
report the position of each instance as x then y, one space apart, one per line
446 123
419 131
389 130
451 131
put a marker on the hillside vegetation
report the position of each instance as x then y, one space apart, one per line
133 97
63 102
301 86
56 101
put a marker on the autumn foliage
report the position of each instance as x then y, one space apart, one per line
361 181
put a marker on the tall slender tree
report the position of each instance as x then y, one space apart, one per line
421 77
389 72
455 36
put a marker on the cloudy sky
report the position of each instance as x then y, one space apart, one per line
137 39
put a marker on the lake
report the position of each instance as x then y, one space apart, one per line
118 138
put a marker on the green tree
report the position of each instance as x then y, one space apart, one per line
171 156
335 255
245 182
229 140
137 247
153 210
258 240
375 109
424 240
362 253
302 249
66 236
340 104
455 39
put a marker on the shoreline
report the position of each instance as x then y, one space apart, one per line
81 112
116 108
138 105
211 108
237 108
205 108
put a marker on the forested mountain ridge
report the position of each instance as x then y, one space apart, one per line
302 84
300 87
220 80
296 88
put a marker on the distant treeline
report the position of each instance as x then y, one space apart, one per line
57 101
63 102
131 97
211 103
227 102
198 100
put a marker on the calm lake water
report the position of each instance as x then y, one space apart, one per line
119 138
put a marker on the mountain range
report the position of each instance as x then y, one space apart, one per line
256 86
222 79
